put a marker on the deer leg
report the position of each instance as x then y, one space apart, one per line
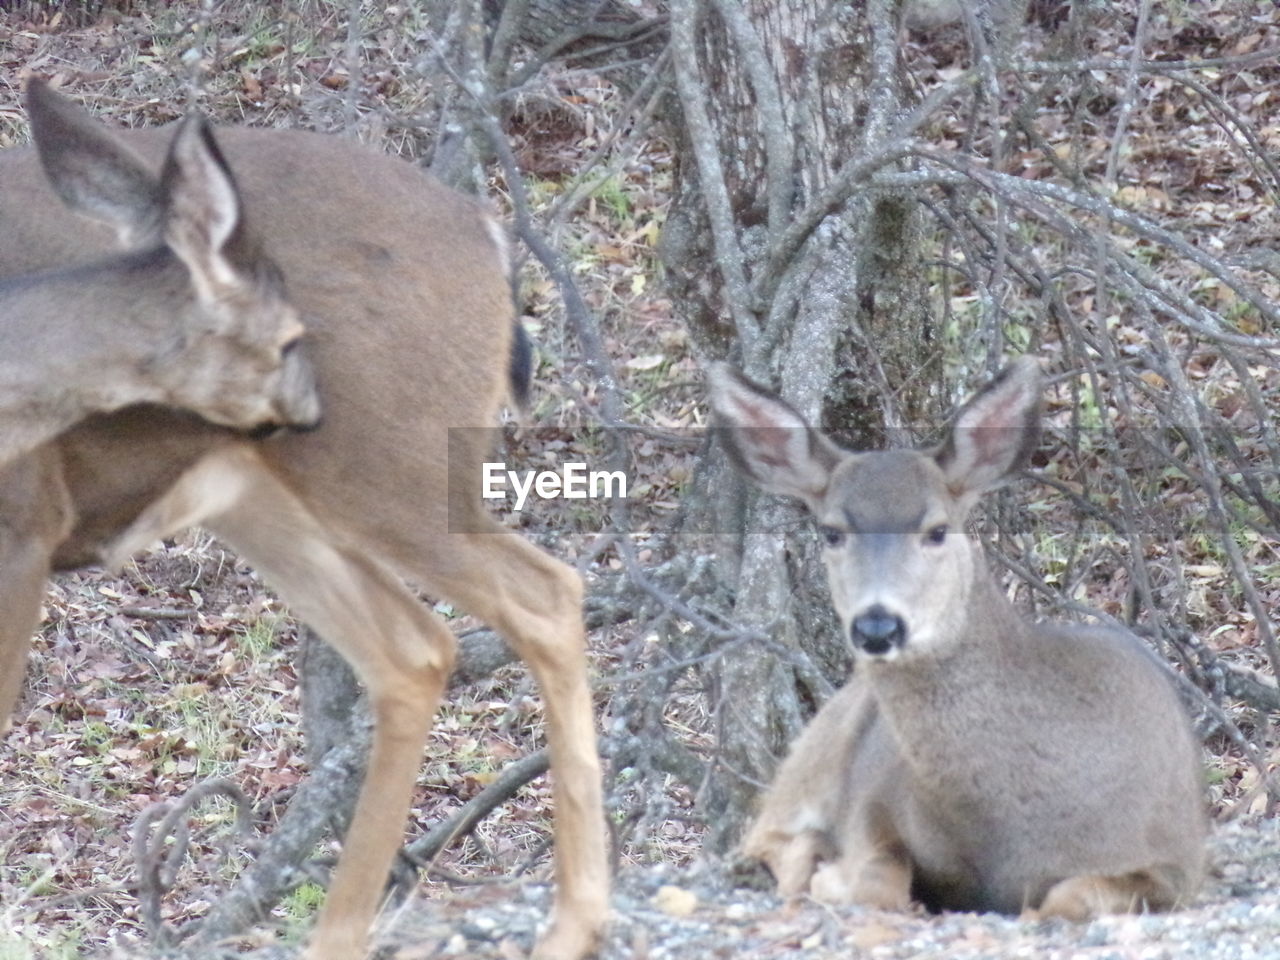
792 858
874 868
35 516
1086 897
26 571
401 651
881 881
404 662
403 654
535 602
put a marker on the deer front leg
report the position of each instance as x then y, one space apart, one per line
791 858
35 516
874 869
881 881
21 590
1086 897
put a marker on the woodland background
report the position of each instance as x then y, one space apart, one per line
870 206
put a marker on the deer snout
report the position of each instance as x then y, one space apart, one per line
297 402
877 631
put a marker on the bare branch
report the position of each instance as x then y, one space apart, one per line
852 174
158 862
507 784
715 193
1019 189
779 155
1266 55
331 789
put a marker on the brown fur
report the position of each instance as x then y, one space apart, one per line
187 316
403 291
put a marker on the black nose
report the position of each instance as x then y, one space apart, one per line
264 431
877 630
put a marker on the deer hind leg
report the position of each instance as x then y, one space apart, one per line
400 650
1086 897
535 602
26 569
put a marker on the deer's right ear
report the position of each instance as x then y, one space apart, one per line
93 173
768 440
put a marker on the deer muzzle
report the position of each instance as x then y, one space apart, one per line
877 631
297 403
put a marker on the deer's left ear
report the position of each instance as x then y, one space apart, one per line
995 433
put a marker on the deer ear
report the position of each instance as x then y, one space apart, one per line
995 432
93 172
203 207
768 440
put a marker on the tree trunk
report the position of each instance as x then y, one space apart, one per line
775 96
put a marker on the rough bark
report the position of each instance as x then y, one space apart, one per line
776 102
794 89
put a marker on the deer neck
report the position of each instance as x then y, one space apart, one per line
64 351
939 704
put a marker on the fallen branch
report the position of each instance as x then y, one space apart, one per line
277 870
158 861
508 783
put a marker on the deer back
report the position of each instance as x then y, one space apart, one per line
395 276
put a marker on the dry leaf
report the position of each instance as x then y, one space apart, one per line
871 935
675 901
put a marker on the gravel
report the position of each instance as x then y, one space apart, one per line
663 913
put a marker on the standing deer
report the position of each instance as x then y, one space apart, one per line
410 325
189 316
974 761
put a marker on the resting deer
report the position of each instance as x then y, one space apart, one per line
410 327
189 316
974 761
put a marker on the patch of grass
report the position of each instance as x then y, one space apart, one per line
304 902
258 641
611 193
54 943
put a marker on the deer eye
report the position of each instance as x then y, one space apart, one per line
833 536
936 536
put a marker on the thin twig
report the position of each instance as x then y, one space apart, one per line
157 862
1266 55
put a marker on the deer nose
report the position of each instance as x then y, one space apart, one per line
298 399
877 631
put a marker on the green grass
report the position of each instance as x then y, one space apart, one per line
304 902
60 944
258 641
611 193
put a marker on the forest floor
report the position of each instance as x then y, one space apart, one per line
665 913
